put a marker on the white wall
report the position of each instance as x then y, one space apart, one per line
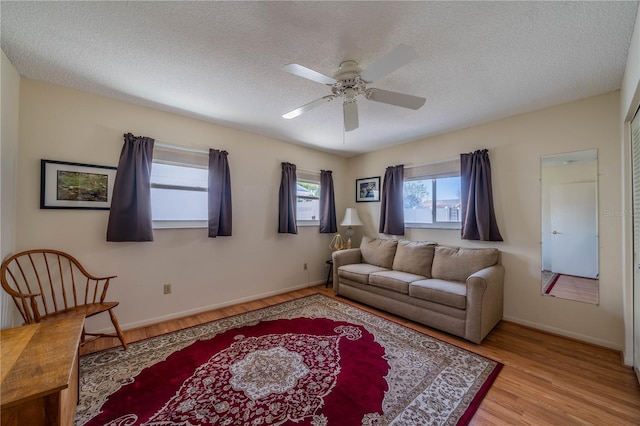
10 100
61 124
515 146
629 102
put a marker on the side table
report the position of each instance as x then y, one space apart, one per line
40 373
330 276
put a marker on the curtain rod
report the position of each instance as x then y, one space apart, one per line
180 148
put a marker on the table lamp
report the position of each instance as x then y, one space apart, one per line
351 219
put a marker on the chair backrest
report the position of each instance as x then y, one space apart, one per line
44 282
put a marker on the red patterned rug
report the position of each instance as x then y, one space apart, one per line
313 361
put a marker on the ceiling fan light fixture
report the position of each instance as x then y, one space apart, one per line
349 94
350 81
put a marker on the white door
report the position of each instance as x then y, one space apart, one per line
635 151
574 242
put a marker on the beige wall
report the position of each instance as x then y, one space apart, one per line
515 146
65 125
630 89
10 99
61 124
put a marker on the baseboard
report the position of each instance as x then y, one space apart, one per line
565 333
182 314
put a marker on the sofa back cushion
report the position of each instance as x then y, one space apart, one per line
457 263
414 257
378 251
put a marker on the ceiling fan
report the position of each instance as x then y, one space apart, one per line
351 81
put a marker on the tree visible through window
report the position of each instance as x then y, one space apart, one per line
308 206
432 201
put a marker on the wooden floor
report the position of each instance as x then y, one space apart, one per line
546 379
576 288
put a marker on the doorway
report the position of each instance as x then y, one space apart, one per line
574 245
569 228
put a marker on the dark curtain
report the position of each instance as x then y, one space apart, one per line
392 206
328 222
130 214
219 194
478 216
287 200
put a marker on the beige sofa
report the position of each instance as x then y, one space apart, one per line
453 289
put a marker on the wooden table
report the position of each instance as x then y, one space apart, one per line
40 373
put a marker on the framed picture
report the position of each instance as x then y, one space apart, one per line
368 189
75 186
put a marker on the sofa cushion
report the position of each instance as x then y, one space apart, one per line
378 251
457 263
414 257
393 280
358 272
448 293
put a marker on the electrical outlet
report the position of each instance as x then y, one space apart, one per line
167 289
305 266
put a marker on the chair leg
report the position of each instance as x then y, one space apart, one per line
114 320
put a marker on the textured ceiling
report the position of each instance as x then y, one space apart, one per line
220 61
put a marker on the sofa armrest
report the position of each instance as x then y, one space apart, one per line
485 298
341 258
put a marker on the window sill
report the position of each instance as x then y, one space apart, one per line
442 225
180 224
308 223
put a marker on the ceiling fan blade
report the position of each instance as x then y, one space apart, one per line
350 110
304 108
397 57
309 74
395 98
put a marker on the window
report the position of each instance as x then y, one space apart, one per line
432 195
179 181
308 197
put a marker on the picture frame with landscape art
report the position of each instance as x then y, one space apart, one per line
65 185
368 189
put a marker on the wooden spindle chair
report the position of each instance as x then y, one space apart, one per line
47 284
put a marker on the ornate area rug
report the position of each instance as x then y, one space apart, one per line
312 361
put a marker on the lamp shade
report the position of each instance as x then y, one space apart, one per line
351 218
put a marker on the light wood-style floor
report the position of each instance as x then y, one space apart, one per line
546 379
576 288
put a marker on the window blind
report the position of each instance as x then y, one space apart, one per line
177 156
434 170
307 176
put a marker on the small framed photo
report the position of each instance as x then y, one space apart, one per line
368 189
66 185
